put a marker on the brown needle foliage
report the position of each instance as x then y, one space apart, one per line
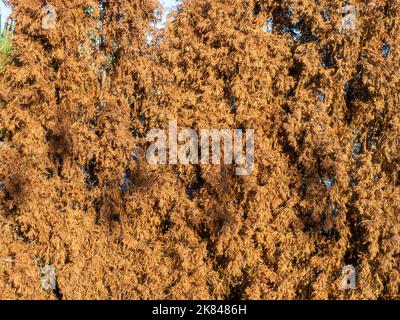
77 100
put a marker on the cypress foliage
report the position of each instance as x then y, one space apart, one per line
318 81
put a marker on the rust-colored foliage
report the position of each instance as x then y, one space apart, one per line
321 93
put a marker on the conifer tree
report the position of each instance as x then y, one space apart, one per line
69 100
229 73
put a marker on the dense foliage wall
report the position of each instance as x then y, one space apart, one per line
318 81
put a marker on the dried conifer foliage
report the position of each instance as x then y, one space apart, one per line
318 81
